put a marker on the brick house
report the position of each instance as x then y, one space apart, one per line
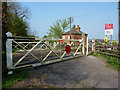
75 34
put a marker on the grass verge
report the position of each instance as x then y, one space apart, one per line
10 80
112 61
15 51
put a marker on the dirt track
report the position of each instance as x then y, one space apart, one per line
83 72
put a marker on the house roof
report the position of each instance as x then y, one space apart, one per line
73 32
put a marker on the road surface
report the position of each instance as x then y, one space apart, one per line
82 72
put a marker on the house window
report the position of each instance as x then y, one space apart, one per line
63 37
68 37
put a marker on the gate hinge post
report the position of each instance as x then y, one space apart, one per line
9 52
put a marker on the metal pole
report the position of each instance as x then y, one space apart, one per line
83 47
87 46
41 51
70 30
106 44
84 42
60 50
111 42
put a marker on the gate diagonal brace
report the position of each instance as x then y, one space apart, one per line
28 52
15 47
70 52
82 49
32 55
25 46
77 49
50 52
42 45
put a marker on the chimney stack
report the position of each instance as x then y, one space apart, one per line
78 28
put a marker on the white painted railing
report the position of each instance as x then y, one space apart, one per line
42 61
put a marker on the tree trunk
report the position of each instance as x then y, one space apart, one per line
4 30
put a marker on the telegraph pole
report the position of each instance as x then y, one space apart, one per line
70 20
70 29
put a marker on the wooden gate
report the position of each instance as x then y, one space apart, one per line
42 50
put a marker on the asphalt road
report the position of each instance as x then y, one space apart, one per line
82 72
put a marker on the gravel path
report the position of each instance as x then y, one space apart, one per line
83 72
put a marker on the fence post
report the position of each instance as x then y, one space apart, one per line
9 52
54 44
87 46
47 42
93 45
83 46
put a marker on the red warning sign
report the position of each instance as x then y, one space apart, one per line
67 49
108 26
60 41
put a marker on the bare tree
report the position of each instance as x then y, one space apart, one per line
18 9
17 19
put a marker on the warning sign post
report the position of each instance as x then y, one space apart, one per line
109 31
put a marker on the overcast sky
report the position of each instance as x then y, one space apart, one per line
91 16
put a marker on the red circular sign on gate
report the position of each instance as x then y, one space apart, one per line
67 49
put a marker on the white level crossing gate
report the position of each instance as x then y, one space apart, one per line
36 51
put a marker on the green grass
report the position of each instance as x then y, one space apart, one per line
10 80
112 61
15 51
